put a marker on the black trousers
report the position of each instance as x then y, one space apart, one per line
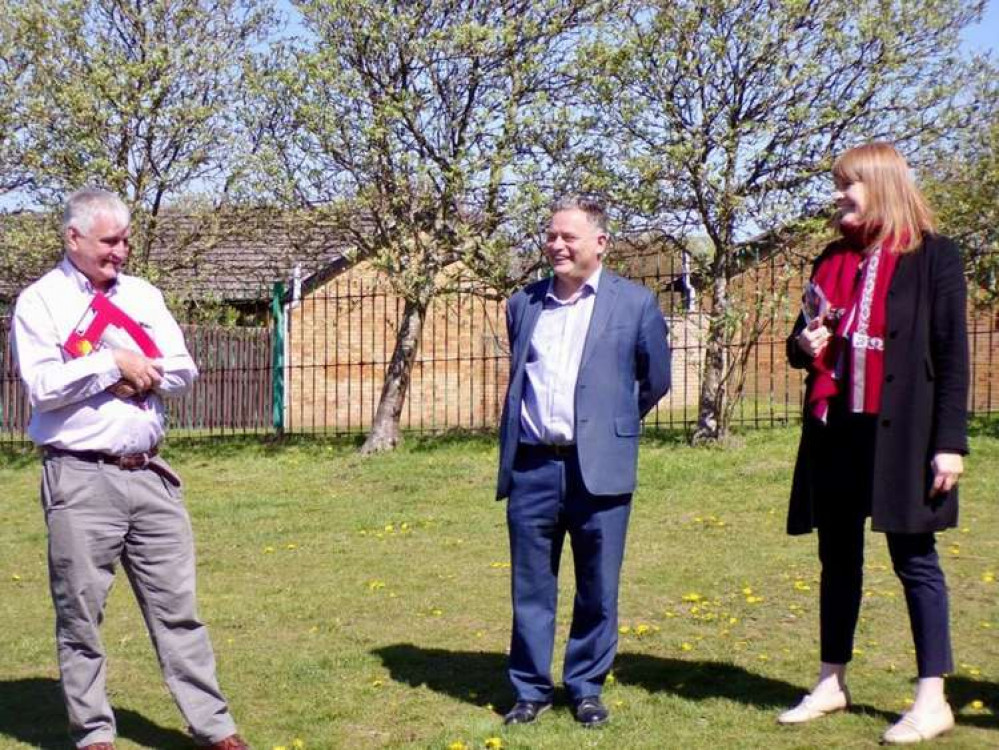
843 505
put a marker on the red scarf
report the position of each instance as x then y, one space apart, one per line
853 278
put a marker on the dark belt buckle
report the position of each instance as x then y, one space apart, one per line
134 461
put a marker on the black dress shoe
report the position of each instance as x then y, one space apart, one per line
526 712
590 712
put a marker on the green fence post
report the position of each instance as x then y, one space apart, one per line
277 359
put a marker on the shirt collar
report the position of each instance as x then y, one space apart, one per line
588 288
81 281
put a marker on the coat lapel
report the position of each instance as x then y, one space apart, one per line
527 323
603 305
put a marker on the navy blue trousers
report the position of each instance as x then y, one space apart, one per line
841 514
547 501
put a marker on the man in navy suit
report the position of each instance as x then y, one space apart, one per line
588 359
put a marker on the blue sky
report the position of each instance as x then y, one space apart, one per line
985 35
979 38
982 37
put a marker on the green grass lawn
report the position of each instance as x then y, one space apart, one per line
364 603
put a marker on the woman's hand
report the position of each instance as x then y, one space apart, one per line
947 467
814 339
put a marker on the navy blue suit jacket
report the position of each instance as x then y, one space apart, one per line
624 371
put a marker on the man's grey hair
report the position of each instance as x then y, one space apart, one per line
589 204
83 206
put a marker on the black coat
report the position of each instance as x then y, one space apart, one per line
924 397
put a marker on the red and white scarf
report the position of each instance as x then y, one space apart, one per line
854 280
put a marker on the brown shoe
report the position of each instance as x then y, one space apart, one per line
98 746
232 742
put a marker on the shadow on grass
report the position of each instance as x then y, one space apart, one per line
19 456
962 692
984 426
479 678
476 677
32 712
186 446
703 680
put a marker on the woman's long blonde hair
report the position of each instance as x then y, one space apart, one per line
894 204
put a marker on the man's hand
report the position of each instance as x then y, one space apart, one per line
122 390
814 339
137 370
947 468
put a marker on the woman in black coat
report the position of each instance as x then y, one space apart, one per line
883 336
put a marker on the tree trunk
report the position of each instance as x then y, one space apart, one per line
384 435
712 422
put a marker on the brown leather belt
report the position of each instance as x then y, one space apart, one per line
128 461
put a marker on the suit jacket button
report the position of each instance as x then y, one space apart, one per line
886 423
889 378
893 334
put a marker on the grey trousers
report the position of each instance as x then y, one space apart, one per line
98 515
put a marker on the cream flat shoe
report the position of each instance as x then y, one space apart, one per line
918 727
813 707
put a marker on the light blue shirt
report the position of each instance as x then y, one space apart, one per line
547 412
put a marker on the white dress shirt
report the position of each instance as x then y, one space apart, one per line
70 405
548 410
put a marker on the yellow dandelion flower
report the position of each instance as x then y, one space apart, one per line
975 672
389 528
686 647
611 679
754 599
624 630
280 747
747 591
643 629
375 585
268 550
618 703
802 586
457 745
377 683
977 705
291 545
669 614
733 620
494 743
693 596
988 577
298 744
15 577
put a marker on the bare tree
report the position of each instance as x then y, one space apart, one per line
722 120
435 130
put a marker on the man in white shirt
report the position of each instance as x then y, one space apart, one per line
108 496
588 359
